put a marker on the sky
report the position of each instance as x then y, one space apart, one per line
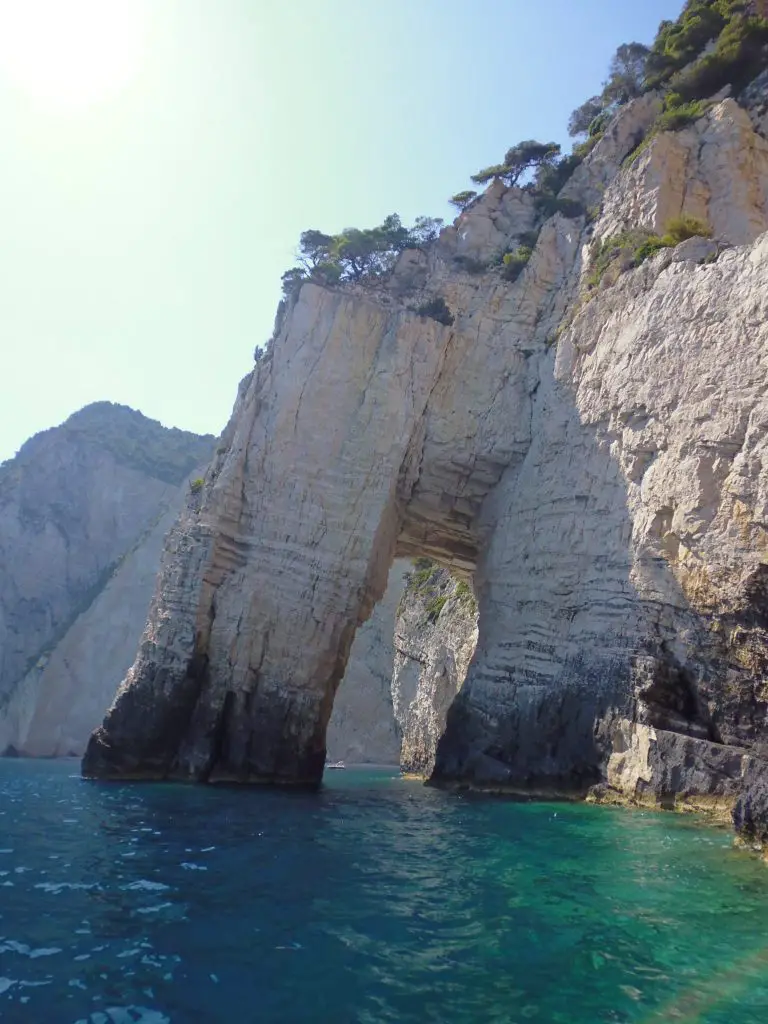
160 159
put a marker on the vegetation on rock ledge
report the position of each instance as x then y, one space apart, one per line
357 254
713 43
434 586
629 249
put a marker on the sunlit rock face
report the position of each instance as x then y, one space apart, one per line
595 467
84 508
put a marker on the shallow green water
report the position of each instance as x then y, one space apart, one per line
374 900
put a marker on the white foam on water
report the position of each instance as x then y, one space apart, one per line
153 910
207 849
57 887
6 983
188 866
126 1015
11 946
146 885
77 983
83 956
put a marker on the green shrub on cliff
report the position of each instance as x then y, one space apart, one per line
465 596
680 229
678 113
738 35
513 263
436 309
738 57
434 607
629 249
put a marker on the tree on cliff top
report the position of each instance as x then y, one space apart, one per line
356 254
584 116
626 74
517 160
461 200
626 80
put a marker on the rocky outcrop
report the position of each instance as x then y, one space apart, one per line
692 171
594 463
83 512
435 637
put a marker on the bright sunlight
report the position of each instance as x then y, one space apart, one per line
70 54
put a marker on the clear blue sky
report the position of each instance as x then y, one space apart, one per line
159 165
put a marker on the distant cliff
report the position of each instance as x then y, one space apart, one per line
84 508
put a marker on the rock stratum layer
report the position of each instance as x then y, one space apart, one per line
596 467
84 509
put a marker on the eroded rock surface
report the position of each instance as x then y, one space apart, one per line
596 466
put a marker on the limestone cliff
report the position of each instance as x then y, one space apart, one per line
435 637
83 511
406 665
590 453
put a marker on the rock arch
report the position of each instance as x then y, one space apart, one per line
348 447
605 491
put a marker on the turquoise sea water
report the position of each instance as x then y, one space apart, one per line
374 900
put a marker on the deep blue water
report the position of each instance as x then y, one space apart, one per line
374 900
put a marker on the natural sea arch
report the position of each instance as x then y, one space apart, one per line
363 440
367 434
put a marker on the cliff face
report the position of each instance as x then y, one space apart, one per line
83 511
435 637
594 461
407 663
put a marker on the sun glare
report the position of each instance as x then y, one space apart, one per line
70 54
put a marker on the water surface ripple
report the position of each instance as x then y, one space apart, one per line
374 900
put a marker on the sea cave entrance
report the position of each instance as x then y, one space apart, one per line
405 667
